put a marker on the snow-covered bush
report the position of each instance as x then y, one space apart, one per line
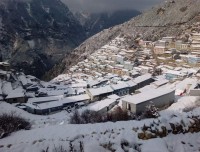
151 111
10 123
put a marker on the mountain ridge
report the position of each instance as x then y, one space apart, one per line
95 22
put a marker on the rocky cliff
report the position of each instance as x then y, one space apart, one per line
34 34
96 22
37 34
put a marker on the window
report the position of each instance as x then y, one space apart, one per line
128 106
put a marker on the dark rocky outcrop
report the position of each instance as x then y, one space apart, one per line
96 22
35 34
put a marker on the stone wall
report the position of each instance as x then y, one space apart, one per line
156 129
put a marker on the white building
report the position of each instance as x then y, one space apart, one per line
160 97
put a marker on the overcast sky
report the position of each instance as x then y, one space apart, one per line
102 5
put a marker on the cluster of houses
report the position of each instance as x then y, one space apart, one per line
134 76
115 58
136 93
114 75
183 50
11 86
94 91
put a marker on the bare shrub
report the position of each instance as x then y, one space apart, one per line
71 148
183 9
160 11
76 118
10 123
59 149
118 115
87 116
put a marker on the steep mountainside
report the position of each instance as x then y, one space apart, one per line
37 34
34 34
171 18
96 22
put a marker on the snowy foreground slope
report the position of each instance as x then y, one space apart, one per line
53 131
37 121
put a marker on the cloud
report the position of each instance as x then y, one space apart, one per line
110 5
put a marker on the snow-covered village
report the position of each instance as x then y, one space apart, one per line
139 97
71 83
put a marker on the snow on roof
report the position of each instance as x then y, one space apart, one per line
80 90
161 47
44 99
133 72
144 67
119 86
46 105
7 87
131 83
96 82
49 102
174 72
161 41
196 34
17 93
101 90
113 96
178 68
147 88
142 78
79 85
31 77
168 67
182 85
4 63
160 82
3 72
110 47
195 46
57 92
119 66
129 51
99 105
147 95
161 58
75 98
23 79
110 76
